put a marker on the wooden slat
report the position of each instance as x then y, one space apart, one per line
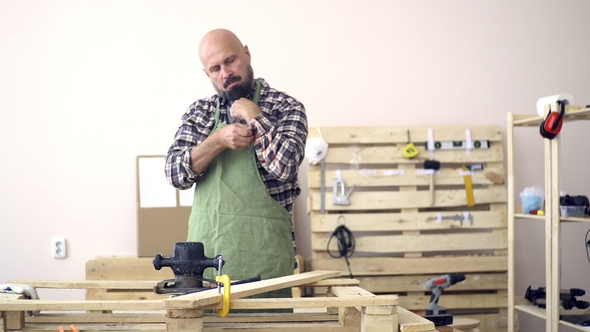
153 317
393 155
422 242
377 134
90 284
125 268
381 178
415 283
457 301
366 266
200 299
80 305
371 222
410 322
360 300
397 200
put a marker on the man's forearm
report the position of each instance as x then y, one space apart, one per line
203 154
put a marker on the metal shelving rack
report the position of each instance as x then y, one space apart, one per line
552 220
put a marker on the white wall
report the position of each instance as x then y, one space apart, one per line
88 85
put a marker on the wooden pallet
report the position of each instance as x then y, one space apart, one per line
141 270
400 240
356 308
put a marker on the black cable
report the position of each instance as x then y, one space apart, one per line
587 245
345 244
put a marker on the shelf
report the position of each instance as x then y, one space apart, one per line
540 312
529 216
563 219
551 220
535 120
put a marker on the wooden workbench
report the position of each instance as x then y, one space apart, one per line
348 308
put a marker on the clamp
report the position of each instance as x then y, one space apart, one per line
226 295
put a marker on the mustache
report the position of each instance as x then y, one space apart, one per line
230 80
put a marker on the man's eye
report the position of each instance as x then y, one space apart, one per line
214 69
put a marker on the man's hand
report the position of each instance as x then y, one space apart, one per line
244 109
236 136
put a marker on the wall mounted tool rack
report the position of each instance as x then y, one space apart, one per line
402 239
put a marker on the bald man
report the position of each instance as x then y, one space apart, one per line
241 149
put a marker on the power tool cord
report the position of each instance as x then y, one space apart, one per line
345 244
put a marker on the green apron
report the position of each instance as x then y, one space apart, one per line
234 216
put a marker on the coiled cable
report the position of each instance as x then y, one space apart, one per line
345 244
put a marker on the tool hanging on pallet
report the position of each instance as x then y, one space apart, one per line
410 150
468 184
431 166
445 145
316 149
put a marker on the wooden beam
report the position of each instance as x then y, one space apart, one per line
388 200
419 242
406 221
380 177
367 266
385 134
209 297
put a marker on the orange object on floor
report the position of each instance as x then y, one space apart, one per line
73 328
60 329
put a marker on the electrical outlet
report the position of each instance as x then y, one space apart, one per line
58 247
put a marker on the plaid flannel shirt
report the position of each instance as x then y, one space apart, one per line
279 133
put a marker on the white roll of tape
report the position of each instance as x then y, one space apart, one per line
565 97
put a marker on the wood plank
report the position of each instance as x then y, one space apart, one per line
371 222
91 284
99 327
418 134
200 299
415 283
375 318
393 155
410 322
368 266
457 301
310 302
387 200
160 317
421 242
387 177
286 327
125 268
122 295
14 305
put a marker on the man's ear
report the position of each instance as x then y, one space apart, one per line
206 73
247 51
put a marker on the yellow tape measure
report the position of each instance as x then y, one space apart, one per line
468 186
410 150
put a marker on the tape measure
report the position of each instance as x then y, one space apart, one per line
445 145
409 151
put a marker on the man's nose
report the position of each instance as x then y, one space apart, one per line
226 72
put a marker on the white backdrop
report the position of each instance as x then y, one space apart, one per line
86 86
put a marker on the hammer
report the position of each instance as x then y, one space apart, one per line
434 166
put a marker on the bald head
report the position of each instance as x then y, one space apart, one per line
218 39
226 61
